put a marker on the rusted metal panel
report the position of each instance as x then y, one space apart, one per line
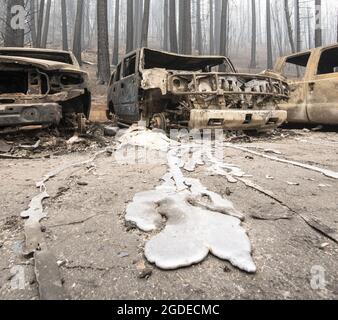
30 114
236 119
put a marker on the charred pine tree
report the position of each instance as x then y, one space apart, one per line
337 27
173 26
218 22
297 26
211 27
46 25
253 62
77 40
64 25
116 33
224 29
199 44
103 62
318 21
145 23
289 26
130 26
268 35
185 33
14 37
40 23
32 22
166 25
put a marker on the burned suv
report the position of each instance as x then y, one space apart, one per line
198 92
40 87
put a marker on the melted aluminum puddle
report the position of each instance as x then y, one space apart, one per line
198 221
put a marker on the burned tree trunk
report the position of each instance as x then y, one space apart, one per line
224 29
318 27
211 35
185 27
32 22
199 45
268 35
337 27
116 33
46 25
130 26
15 33
40 23
289 26
173 26
253 62
77 41
145 24
218 22
103 63
64 25
297 26
166 25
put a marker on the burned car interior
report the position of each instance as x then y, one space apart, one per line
158 59
328 62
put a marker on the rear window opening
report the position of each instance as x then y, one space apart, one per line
129 67
328 62
295 66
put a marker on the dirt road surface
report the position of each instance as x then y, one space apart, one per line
98 255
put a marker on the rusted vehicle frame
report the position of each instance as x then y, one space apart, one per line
36 91
210 100
313 95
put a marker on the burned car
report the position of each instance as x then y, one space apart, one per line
313 80
40 87
198 92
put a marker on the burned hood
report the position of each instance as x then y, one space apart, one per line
273 74
43 64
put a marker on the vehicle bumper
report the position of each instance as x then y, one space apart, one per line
30 114
237 119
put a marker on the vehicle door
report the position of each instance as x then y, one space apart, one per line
322 95
129 90
294 68
115 91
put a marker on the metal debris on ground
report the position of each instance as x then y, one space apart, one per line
326 172
4 146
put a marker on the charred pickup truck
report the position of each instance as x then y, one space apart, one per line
198 92
40 87
313 80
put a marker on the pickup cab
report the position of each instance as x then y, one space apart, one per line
313 81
